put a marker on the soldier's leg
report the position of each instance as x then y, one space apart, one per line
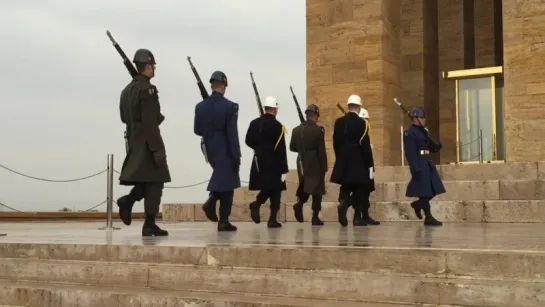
342 208
429 220
152 200
316 208
126 202
209 207
275 208
302 198
366 205
226 204
358 195
260 199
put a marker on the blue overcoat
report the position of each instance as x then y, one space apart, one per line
216 120
425 181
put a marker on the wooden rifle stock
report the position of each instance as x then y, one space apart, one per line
301 117
132 70
341 108
258 100
204 92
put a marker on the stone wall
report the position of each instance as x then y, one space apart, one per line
353 48
524 64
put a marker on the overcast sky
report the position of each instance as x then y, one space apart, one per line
62 78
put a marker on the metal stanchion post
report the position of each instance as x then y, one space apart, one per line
402 149
481 153
109 194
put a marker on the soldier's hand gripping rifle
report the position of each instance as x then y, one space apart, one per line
301 117
258 100
126 62
434 145
202 89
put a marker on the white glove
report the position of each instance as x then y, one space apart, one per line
283 177
372 146
371 173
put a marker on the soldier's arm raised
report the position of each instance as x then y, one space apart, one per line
150 115
232 132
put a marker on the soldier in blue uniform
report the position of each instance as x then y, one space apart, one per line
267 137
425 181
216 121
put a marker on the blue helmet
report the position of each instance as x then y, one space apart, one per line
418 112
218 76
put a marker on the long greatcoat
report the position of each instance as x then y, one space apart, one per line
216 120
425 180
308 140
140 110
267 137
353 154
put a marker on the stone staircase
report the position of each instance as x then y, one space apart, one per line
89 275
494 192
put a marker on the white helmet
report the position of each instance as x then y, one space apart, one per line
354 99
270 102
364 114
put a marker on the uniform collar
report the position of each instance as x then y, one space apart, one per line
310 122
216 94
141 77
268 115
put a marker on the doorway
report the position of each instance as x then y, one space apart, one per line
479 114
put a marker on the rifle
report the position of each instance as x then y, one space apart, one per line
434 145
341 108
259 105
126 62
301 117
204 92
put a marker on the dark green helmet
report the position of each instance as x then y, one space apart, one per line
144 56
218 76
313 108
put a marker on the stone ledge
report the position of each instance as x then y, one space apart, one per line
501 211
340 285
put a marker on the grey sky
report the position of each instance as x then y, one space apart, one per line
62 79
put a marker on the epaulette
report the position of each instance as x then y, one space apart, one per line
365 131
235 106
280 137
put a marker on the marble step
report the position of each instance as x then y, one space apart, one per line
486 171
456 190
431 288
72 295
496 211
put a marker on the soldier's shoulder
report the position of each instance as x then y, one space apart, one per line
410 132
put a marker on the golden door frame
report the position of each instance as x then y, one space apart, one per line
475 73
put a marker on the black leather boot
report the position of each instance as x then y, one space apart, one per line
125 204
342 209
226 226
151 229
209 208
298 212
254 211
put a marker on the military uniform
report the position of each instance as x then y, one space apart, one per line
216 120
353 168
145 166
425 182
266 136
308 140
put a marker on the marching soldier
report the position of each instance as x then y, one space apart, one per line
145 165
425 181
353 168
308 140
266 136
216 121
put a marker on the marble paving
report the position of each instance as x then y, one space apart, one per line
460 236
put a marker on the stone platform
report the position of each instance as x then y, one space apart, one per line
395 264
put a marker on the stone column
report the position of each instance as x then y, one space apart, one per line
353 47
524 92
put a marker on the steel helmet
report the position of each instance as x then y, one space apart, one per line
364 114
418 112
270 102
218 76
354 99
313 108
143 56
